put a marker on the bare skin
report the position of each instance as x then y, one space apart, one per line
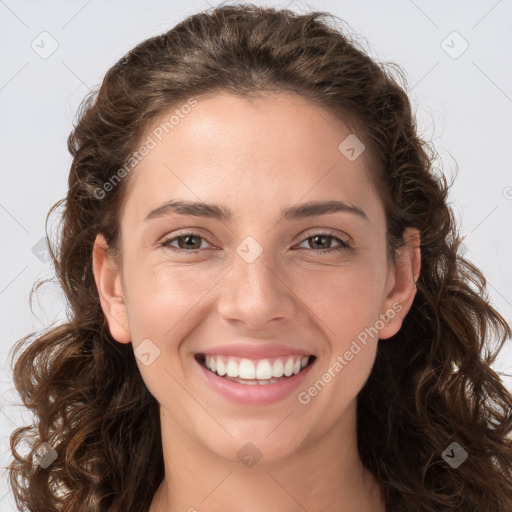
256 158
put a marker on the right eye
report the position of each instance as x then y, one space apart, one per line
185 241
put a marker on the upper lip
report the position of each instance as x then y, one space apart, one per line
260 351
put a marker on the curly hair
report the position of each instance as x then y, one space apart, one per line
440 387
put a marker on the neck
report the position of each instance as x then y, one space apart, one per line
324 474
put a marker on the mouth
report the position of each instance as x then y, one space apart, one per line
255 372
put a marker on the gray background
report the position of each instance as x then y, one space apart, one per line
463 102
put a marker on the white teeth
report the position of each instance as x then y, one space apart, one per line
221 368
288 367
262 372
246 369
232 368
277 369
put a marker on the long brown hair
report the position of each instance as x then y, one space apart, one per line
431 385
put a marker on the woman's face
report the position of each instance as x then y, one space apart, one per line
259 280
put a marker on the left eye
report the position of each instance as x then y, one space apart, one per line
193 241
182 247
325 239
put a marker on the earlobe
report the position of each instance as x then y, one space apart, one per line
405 275
108 284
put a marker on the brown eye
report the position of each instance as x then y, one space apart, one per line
187 242
322 242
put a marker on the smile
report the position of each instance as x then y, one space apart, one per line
253 371
254 381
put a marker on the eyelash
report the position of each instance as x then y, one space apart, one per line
344 245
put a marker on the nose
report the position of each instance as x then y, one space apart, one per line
256 293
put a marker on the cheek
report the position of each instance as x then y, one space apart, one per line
164 306
346 312
162 296
346 300
346 306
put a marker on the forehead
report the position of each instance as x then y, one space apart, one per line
276 148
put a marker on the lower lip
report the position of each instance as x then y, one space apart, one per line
259 394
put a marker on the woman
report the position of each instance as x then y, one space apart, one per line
267 307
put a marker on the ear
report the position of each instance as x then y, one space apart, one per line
110 291
401 284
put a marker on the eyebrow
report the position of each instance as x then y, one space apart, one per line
219 212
